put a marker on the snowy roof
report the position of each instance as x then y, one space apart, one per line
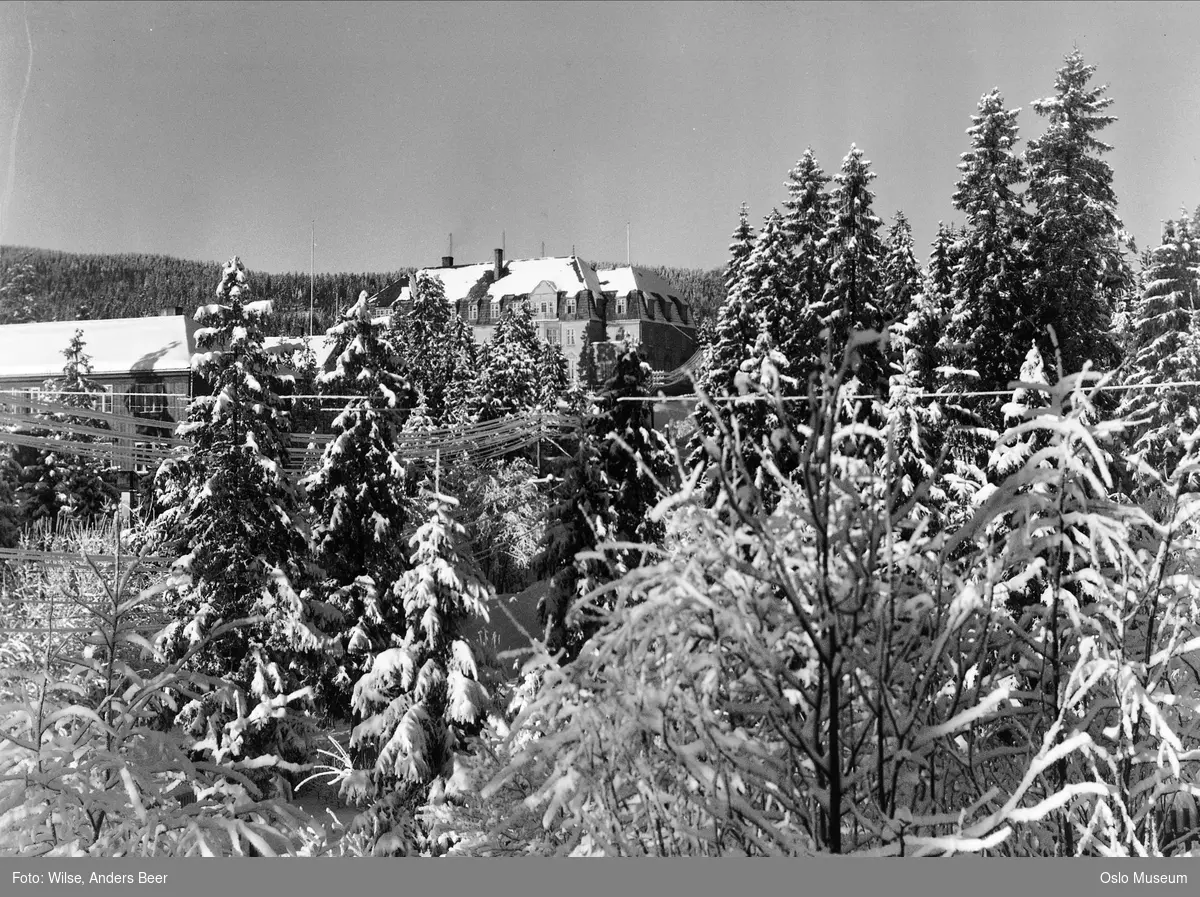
622 280
319 343
458 281
117 346
569 275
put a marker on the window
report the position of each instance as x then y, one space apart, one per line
473 312
33 394
544 311
106 400
571 307
621 306
570 337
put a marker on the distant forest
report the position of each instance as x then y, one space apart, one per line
48 285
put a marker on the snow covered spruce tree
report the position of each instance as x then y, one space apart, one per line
994 319
930 314
421 698
430 342
237 527
357 496
806 218
1164 347
10 520
762 316
902 287
621 469
901 272
55 482
1077 238
511 377
853 297
737 321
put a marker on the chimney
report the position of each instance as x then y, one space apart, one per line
447 261
170 311
499 270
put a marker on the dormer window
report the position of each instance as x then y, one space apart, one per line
571 308
621 306
473 312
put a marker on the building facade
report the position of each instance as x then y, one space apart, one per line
142 365
571 303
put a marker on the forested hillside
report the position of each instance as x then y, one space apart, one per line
47 285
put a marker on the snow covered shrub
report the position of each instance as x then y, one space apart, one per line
421 698
87 767
832 673
1102 626
504 511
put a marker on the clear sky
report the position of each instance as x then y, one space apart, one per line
202 130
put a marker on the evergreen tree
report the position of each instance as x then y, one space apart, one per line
993 317
945 251
511 375
621 469
357 490
759 313
231 513
739 249
10 520
926 323
901 272
587 364
422 698
553 380
806 220
783 315
429 342
1076 242
53 482
853 297
1164 348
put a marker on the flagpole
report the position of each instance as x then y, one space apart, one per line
312 277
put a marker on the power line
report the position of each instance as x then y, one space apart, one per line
992 393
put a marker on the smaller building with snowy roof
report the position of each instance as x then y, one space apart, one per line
142 364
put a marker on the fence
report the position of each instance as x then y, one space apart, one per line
133 443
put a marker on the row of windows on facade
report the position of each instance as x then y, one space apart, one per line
477 312
150 401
